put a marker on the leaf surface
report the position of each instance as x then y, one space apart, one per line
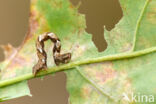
110 82
121 68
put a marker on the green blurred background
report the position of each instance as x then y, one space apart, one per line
14 16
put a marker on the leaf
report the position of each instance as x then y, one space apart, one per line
62 19
14 91
120 69
107 82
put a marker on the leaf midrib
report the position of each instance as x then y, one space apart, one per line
72 65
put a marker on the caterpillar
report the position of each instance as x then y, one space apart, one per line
42 56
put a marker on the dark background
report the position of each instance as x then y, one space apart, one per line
13 27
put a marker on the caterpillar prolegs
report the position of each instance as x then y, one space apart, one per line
42 56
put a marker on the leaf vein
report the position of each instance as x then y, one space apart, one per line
138 24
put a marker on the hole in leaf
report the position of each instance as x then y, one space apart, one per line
99 13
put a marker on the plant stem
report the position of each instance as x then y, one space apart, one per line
77 63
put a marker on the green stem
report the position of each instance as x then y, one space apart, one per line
77 63
138 24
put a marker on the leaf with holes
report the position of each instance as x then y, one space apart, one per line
124 69
112 81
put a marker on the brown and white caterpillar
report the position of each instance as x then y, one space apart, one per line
42 56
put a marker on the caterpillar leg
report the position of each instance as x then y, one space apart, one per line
62 58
